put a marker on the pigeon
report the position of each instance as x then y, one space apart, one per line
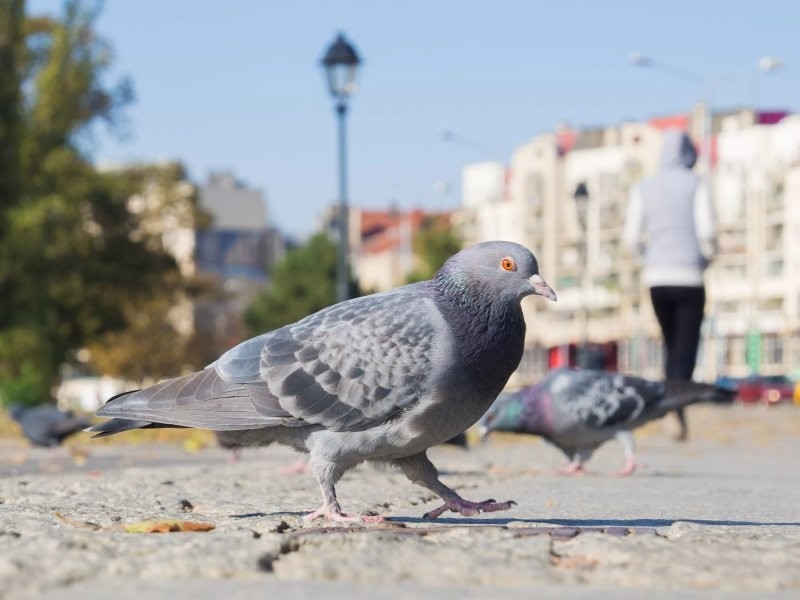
228 444
380 378
579 410
47 425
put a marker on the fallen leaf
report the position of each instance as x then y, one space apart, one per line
573 562
79 524
167 526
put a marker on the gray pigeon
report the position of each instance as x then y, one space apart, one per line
579 410
378 378
47 425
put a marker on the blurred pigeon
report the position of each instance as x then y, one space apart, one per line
47 425
232 445
579 410
459 440
378 378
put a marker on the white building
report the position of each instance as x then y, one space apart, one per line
752 286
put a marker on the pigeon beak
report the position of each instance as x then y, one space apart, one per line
541 288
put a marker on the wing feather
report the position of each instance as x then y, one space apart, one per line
347 367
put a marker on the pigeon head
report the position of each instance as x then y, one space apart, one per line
503 269
504 415
16 411
527 411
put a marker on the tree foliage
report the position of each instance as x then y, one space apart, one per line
76 263
434 242
302 283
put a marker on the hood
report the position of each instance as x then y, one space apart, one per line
678 150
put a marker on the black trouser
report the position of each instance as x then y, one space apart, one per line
679 310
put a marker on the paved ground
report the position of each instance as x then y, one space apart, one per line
721 512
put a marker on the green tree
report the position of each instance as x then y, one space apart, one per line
11 46
302 283
434 242
75 261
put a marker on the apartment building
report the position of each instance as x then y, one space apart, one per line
237 251
565 196
381 244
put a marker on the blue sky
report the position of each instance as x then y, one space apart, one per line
236 84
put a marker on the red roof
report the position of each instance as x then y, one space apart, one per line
670 122
383 231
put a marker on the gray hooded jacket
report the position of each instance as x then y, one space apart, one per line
671 212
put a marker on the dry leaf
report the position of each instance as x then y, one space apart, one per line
79 524
573 562
167 526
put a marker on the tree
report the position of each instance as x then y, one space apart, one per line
302 283
434 242
11 36
75 261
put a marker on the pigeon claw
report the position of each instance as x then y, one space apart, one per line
340 517
467 508
571 469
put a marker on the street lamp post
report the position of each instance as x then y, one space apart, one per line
581 198
341 67
708 85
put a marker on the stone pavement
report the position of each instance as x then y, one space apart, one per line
721 512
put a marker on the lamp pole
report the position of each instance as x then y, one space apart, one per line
767 64
581 197
341 66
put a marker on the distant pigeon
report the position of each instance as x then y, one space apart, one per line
579 410
47 425
234 447
378 378
459 440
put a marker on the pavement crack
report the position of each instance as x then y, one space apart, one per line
266 562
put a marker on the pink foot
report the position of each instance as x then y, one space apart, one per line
628 469
234 456
467 508
571 469
339 516
296 468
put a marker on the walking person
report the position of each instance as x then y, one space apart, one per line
670 223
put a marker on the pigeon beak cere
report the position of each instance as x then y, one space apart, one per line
541 288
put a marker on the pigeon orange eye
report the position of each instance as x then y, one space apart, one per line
508 264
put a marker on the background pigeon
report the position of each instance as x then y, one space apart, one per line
377 378
578 410
47 425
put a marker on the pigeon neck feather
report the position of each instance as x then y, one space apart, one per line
488 327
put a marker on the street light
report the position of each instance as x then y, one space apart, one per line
767 64
448 135
341 68
581 198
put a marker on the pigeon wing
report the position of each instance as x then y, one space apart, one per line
598 399
348 367
204 400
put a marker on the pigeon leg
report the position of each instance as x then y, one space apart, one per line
575 467
625 438
420 470
683 426
327 474
297 467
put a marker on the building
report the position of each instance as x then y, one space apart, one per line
565 195
237 252
381 243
